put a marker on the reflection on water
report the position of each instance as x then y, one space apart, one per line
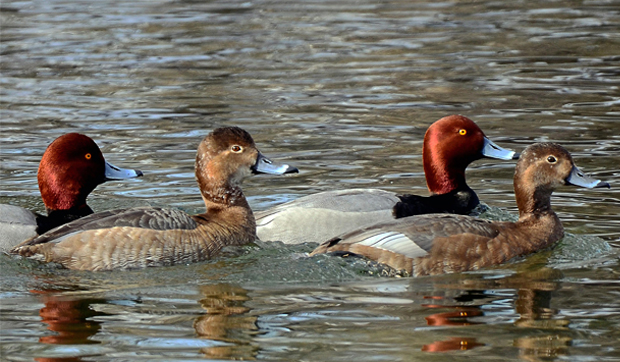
345 92
221 327
532 303
69 318
70 321
540 312
226 320
460 316
480 313
534 306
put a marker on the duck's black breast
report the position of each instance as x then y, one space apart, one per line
55 218
461 201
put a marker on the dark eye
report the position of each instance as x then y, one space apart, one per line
551 159
88 156
236 149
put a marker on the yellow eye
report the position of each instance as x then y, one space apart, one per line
236 149
88 156
462 132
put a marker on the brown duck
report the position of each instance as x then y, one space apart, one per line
148 236
445 243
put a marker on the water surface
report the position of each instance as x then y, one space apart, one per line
344 91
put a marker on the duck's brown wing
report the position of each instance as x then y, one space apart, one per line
140 217
398 242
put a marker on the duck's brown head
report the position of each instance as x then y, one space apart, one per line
225 157
541 169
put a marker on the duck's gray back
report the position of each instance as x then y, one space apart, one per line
319 217
16 225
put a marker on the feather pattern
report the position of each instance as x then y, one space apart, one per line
158 237
446 154
150 236
446 243
345 210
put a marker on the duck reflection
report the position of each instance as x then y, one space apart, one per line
452 344
59 359
534 291
227 320
460 316
70 318
534 307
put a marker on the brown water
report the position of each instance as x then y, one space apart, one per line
344 90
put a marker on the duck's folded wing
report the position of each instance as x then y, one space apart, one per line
319 217
412 237
343 200
139 217
16 225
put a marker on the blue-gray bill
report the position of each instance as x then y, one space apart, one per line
578 178
265 165
492 150
116 173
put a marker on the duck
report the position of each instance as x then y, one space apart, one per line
447 243
143 237
71 167
450 145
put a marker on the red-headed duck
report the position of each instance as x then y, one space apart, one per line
70 169
148 236
450 145
446 243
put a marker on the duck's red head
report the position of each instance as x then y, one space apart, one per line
71 168
450 145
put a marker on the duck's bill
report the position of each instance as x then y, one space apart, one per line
116 173
265 165
492 150
578 178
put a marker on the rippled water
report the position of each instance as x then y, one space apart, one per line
344 90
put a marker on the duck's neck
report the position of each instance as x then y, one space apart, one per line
229 206
441 176
539 230
536 218
56 218
532 200
61 193
223 195
61 196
